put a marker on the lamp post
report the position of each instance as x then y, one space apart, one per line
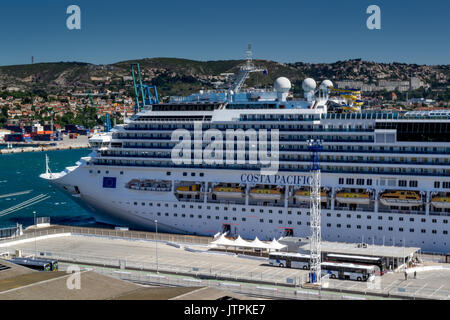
156 240
35 227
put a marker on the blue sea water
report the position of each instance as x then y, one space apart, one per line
20 172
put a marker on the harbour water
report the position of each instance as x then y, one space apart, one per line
20 172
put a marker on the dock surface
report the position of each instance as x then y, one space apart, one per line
66 144
178 260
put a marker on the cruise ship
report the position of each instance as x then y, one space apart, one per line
238 161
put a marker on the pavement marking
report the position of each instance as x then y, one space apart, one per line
391 285
40 282
420 289
408 285
436 290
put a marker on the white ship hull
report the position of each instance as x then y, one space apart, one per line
122 206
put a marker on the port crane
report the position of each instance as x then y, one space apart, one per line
107 116
145 95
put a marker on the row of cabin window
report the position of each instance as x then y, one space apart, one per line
216 208
389 218
183 215
389 228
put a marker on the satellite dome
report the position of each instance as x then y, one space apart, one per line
326 84
282 84
309 85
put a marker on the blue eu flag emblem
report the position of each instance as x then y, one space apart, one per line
109 182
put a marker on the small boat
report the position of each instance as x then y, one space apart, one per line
441 202
148 185
401 198
266 193
304 196
353 197
188 190
228 192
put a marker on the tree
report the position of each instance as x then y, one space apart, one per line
3 116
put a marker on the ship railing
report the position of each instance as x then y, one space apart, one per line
281 160
282 168
186 200
437 213
128 129
227 202
286 149
270 203
282 138
382 210
366 209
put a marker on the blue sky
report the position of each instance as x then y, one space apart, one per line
412 31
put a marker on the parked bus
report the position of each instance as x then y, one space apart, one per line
336 270
33 264
53 264
379 262
289 260
37 264
347 271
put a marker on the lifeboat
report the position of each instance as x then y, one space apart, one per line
441 202
266 193
134 184
228 192
353 197
148 185
188 190
304 196
401 198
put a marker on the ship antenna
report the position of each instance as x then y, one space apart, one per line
245 71
249 55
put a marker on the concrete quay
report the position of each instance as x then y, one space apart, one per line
179 260
66 144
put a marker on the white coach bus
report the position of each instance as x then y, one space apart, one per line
289 260
348 271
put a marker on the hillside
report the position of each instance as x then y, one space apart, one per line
182 76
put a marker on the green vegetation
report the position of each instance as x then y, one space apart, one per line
3 116
87 118
15 95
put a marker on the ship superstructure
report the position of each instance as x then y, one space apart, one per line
385 177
